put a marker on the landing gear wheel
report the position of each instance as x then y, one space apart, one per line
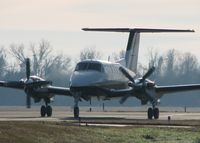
150 113
156 113
49 111
76 112
43 111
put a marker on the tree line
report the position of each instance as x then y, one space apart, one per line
173 67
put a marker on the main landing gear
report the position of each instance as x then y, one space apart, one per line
153 112
46 109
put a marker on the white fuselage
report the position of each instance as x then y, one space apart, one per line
96 73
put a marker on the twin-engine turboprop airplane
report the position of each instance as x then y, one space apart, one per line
38 89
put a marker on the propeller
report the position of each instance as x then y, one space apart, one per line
28 100
29 85
28 97
133 84
124 98
126 73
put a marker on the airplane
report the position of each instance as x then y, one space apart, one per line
37 88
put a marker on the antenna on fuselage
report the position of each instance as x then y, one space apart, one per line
131 56
108 58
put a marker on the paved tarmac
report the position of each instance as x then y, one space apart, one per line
19 113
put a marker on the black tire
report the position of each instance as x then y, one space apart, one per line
150 113
76 112
43 111
49 111
156 113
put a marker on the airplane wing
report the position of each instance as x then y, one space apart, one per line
59 90
159 90
50 89
54 90
12 84
176 88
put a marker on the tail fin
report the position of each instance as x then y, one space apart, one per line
132 49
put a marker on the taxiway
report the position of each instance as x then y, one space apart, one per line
19 113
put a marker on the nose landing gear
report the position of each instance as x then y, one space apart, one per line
76 112
153 112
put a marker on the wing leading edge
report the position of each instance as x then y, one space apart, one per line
12 84
49 89
176 88
159 91
59 90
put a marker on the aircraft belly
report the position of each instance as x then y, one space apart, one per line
94 90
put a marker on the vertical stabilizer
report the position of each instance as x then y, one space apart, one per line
132 49
131 56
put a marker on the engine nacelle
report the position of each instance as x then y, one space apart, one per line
150 84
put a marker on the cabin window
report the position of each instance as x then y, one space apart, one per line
88 66
81 66
94 66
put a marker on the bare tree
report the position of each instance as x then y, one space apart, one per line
154 59
118 56
89 53
41 57
3 62
44 62
188 66
171 60
18 52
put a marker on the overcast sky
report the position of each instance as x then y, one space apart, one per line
60 22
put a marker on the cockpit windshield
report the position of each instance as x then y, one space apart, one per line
83 66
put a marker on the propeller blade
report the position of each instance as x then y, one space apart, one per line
28 68
28 101
125 72
123 99
149 72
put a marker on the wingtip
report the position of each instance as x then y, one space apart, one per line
84 29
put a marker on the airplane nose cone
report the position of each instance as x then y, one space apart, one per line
79 79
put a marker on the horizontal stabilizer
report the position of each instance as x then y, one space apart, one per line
138 30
